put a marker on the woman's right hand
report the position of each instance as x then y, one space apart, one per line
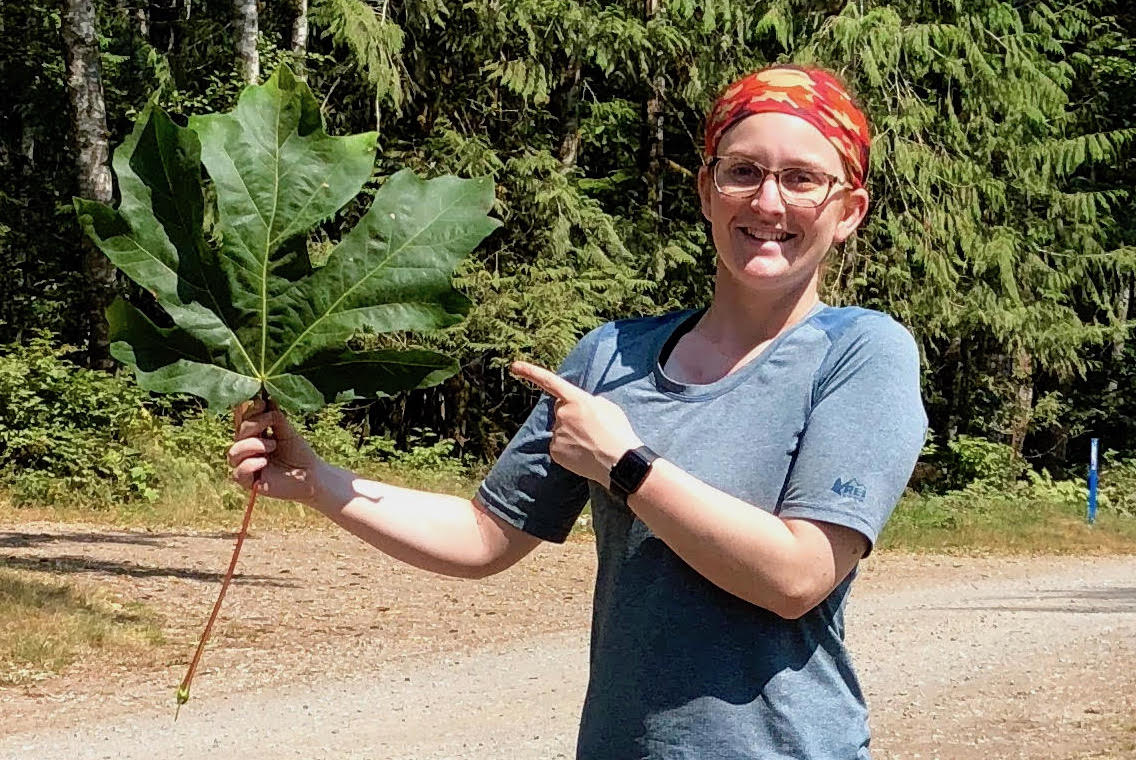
287 465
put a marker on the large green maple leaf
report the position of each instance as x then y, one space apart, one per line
252 313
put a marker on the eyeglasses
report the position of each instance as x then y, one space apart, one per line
739 177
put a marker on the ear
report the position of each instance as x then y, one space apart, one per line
853 211
705 190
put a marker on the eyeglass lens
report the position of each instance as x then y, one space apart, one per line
799 187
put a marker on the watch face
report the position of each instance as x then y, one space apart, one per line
630 471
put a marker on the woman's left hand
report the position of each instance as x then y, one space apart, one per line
590 433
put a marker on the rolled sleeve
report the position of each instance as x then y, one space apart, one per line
864 432
526 488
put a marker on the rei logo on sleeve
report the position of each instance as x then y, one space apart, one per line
853 489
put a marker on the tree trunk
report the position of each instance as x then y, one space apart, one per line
568 106
653 131
956 355
300 37
89 129
163 17
141 17
246 26
1022 378
1123 301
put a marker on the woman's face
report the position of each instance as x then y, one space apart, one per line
763 243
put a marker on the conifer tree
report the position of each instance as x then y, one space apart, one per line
1002 169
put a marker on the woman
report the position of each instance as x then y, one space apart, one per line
740 460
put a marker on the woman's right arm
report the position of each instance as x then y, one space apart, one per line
444 534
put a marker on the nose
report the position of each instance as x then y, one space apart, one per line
767 199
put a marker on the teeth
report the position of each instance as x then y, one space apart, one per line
766 235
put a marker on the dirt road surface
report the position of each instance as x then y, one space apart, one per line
329 650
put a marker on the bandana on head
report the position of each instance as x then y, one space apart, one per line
812 94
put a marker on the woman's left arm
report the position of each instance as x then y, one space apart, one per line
790 562
786 566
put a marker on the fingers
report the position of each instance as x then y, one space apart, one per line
251 408
549 382
239 413
252 450
246 471
250 447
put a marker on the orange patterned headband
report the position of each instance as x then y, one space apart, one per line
812 94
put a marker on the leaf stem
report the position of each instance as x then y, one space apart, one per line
183 688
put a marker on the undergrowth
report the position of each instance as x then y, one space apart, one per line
84 446
1007 507
88 446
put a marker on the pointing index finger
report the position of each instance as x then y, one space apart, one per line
549 382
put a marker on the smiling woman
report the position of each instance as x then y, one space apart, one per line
772 235
740 459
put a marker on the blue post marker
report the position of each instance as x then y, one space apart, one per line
1093 481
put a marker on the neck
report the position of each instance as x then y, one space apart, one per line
739 319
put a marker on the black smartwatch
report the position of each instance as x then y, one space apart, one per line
631 470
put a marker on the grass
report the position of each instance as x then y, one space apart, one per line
1026 518
45 626
1128 739
1123 746
1021 520
201 500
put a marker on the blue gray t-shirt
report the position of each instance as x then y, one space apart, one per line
825 424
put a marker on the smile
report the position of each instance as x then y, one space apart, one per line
764 235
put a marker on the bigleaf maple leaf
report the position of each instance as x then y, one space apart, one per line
251 313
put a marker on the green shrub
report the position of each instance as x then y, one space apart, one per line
328 434
1021 514
70 436
425 452
1117 492
977 460
65 430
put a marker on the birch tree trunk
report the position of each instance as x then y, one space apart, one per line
1122 306
1022 376
141 18
300 37
246 25
568 106
653 130
89 131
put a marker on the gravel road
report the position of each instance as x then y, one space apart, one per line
1030 658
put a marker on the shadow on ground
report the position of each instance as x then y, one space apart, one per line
1119 599
22 540
68 564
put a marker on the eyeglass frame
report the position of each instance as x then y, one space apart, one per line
766 172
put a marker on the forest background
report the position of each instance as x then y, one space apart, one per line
1001 232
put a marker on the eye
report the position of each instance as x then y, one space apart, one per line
741 172
803 179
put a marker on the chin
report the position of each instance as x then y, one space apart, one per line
768 276
752 276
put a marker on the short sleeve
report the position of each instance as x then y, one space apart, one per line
526 488
864 432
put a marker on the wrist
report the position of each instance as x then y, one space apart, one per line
329 488
612 457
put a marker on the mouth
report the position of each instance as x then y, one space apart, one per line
764 235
